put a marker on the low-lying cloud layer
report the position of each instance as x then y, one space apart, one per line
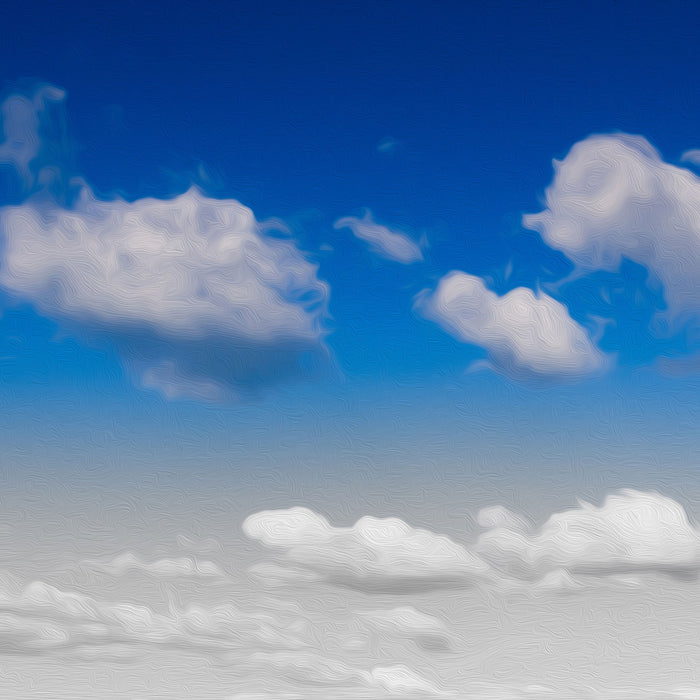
374 554
390 611
198 297
25 122
632 532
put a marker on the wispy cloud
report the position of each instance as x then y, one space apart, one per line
613 197
25 120
389 146
631 533
426 631
383 241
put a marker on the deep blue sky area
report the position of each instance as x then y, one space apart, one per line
440 118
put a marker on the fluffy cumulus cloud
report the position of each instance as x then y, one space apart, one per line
200 300
613 197
632 532
691 156
375 554
400 680
526 335
392 245
375 620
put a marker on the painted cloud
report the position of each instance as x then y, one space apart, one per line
375 554
393 611
525 335
25 119
613 197
198 299
392 245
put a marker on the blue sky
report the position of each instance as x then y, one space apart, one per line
441 120
402 260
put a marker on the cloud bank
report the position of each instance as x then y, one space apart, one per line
632 532
165 568
198 297
375 554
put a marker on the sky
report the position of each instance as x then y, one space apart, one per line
350 351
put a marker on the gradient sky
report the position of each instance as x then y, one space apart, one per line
401 260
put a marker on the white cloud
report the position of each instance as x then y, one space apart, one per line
614 197
375 554
167 568
500 516
399 680
405 620
72 619
44 617
199 545
632 532
22 121
393 245
272 575
197 298
322 641
188 266
525 335
691 156
428 632
389 146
